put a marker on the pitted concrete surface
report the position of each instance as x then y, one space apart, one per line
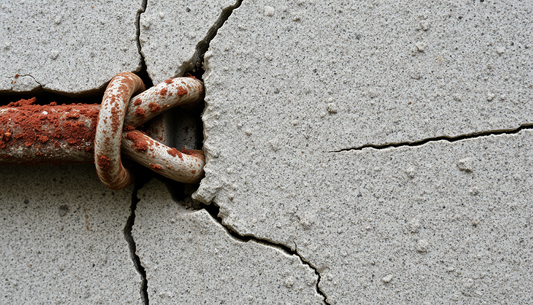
66 46
171 32
335 75
62 238
190 259
440 222
437 223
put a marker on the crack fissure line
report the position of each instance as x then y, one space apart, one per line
128 236
474 135
214 210
143 72
195 63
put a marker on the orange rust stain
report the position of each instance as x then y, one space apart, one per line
155 166
140 112
27 125
137 102
139 141
182 91
196 153
154 107
174 152
104 162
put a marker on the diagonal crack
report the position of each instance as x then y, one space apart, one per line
214 210
194 65
468 136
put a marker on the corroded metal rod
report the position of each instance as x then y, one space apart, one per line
56 134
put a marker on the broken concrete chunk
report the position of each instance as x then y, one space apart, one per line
465 164
62 238
189 258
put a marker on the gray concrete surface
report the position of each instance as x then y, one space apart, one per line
294 89
62 240
173 31
395 226
190 259
289 83
339 74
66 46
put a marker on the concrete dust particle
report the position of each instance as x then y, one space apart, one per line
54 54
387 279
490 96
422 246
420 46
410 172
296 17
414 225
465 164
289 282
423 25
500 50
269 11
161 15
332 108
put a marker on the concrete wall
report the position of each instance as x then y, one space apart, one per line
374 152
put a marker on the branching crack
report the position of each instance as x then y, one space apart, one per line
213 210
442 138
194 65
133 247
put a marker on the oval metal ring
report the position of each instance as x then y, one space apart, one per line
109 130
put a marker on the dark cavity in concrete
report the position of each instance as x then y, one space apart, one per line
143 73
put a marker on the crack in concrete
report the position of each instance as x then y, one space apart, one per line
143 72
195 63
214 210
132 245
450 139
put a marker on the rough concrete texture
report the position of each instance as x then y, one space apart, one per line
289 83
173 31
62 240
190 259
66 46
334 75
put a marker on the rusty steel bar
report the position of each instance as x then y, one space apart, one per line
39 134
107 158
170 93
36 134
186 166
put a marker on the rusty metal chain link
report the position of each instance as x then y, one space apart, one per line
36 134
